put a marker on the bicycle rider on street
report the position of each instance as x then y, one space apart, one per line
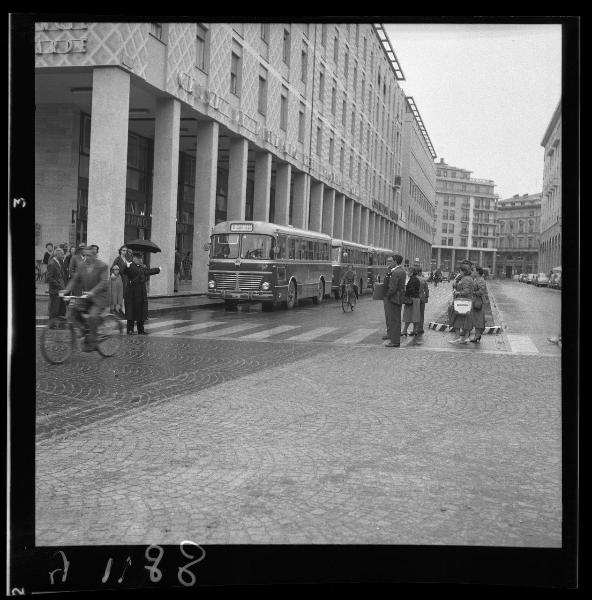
92 276
349 277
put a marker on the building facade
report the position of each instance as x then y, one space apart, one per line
465 219
519 226
418 189
160 130
550 242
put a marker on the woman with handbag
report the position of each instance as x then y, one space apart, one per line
412 310
462 322
478 313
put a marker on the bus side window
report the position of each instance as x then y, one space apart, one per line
291 248
281 244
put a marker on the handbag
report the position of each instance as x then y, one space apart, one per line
462 306
407 300
478 302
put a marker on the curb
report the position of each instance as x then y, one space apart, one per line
495 329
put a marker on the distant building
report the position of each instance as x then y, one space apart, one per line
550 241
519 226
465 219
418 190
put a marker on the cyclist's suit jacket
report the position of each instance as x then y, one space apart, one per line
93 278
135 295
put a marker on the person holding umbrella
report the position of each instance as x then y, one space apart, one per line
136 296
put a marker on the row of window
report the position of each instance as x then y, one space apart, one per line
303 249
453 173
465 187
516 242
521 225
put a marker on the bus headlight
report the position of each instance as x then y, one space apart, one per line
211 284
265 286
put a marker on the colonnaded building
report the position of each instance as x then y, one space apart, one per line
161 130
465 219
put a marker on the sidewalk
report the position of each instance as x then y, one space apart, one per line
184 299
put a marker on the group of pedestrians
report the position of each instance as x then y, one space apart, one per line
409 293
81 272
469 284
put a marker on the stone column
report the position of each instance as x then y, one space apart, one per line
204 207
283 179
164 195
108 161
348 217
493 266
262 186
338 216
316 205
300 200
371 221
237 179
439 259
453 260
328 211
357 222
480 258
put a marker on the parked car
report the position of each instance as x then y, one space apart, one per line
541 279
515 277
555 278
530 278
522 277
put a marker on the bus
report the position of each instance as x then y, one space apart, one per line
263 262
346 254
377 266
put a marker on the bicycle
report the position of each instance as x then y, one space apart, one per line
348 298
58 339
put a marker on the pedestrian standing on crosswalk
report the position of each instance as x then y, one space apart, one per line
478 310
424 294
390 264
395 294
136 296
463 288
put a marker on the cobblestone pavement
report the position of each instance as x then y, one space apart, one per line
263 440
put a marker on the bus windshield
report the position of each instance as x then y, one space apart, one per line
245 245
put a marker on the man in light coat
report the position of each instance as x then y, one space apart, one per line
395 294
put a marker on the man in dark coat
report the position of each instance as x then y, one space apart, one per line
56 280
395 295
92 278
390 265
136 296
74 265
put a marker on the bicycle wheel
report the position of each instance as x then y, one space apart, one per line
109 335
57 341
345 301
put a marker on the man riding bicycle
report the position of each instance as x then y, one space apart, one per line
348 278
92 276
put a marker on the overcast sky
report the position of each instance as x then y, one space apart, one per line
485 93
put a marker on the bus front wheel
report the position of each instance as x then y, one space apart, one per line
291 300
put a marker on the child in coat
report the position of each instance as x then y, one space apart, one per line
116 284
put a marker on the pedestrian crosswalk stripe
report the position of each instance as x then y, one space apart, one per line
160 324
187 328
311 335
355 336
259 335
521 343
227 330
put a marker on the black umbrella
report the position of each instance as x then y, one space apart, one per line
143 245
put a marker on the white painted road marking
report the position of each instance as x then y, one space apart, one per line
259 335
160 324
355 336
521 343
311 335
193 327
226 330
